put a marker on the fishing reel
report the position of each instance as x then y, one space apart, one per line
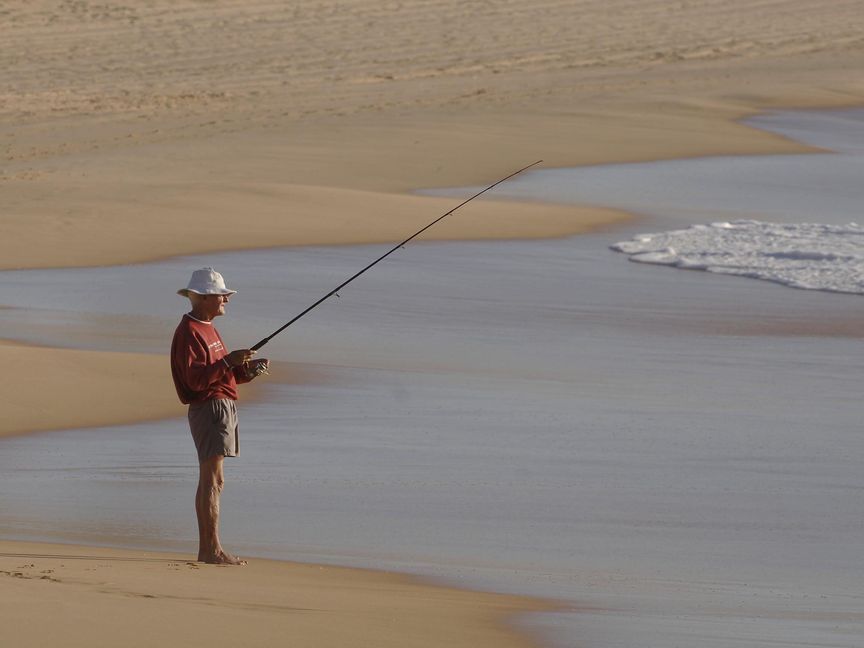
255 368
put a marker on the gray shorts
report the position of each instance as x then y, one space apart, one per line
214 428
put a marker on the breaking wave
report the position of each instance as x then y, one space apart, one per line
800 255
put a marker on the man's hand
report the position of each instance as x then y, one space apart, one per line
238 357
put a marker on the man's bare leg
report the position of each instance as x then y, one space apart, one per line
210 483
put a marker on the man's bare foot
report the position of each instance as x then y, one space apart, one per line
221 558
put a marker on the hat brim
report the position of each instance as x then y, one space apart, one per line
186 291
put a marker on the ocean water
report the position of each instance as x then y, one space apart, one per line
676 453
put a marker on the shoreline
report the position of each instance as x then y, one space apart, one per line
56 364
513 220
323 179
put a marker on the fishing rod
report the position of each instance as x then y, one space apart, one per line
260 344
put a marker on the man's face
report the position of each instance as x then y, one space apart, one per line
213 305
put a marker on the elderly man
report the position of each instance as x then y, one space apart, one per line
206 378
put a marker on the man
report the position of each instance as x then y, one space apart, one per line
206 378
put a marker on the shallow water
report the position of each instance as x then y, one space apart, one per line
807 188
670 449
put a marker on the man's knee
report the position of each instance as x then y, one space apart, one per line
216 484
212 476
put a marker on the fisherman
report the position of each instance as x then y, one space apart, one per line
206 378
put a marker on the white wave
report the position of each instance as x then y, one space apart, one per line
801 255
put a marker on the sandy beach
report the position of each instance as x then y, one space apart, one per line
133 133
105 597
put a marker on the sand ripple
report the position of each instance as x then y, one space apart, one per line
326 56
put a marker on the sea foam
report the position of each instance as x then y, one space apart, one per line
801 255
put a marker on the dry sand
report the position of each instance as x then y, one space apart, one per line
59 389
134 131
52 388
72 596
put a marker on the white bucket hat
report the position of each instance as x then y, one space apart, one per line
206 281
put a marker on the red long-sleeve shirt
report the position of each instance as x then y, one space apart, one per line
197 365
